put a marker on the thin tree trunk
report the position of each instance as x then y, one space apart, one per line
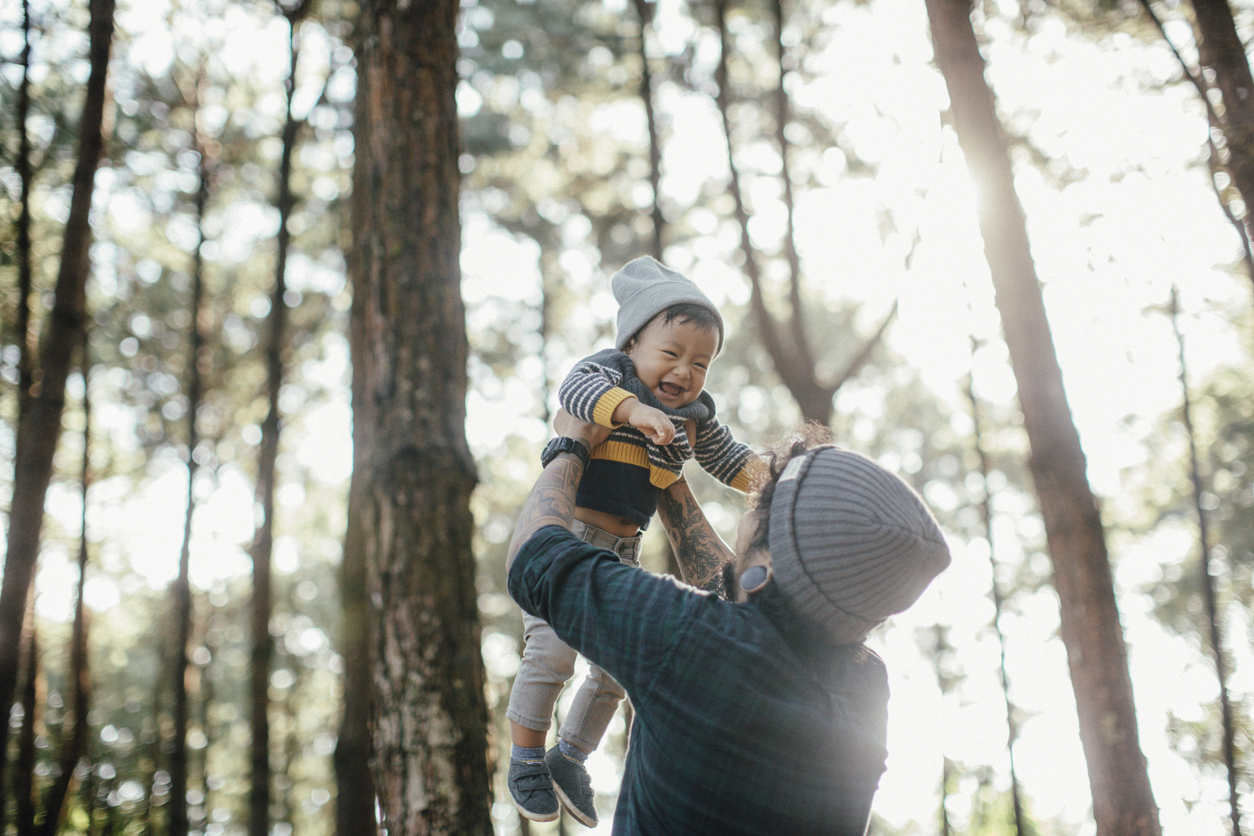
87 801
25 276
355 793
1218 159
1209 593
947 777
796 379
181 592
782 117
263 544
786 342
32 705
941 652
644 11
205 698
39 425
986 519
1123 803
430 714
1221 50
181 599
74 745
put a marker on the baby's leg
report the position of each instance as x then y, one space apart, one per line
591 711
547 664
598 697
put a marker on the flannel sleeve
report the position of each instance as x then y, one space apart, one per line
591 391
620 617
723 457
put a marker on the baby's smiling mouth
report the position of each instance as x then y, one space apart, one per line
670 390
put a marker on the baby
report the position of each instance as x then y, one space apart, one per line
650 390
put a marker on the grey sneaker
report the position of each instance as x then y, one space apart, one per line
532 790
573 786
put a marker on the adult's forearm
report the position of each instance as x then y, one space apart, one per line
551 502
699 551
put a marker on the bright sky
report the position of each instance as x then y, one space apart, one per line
1152 221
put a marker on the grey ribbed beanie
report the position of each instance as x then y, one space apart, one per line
644 288
850 543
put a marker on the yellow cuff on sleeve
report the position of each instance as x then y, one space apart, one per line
753 470
603 412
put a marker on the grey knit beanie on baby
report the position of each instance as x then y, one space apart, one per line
644 288
850 543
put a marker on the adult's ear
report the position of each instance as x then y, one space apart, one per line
756 577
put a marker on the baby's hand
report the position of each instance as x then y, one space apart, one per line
653 423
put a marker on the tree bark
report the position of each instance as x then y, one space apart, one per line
1220 49
39 425
25 274
74 745
1209 593
1123 803
355 793
181 591
33 697
430 714
644 11
267 466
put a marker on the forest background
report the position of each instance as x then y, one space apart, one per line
593 132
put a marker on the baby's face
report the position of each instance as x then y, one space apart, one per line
672 358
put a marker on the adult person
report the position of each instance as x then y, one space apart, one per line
762 715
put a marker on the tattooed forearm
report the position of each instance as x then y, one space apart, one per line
551 502
699 551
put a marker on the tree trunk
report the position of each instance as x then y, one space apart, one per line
74 745
430 713
786 342
181 592
1123 803
644 11
1210 594
999 600
25 275
33 697
39 425
797 376
267 460
1220 50
355 793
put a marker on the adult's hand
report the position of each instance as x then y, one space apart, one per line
568 425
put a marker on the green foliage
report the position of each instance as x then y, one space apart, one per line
555 197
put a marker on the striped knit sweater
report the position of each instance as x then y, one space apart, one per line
593 389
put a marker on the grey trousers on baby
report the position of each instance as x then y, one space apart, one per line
547 664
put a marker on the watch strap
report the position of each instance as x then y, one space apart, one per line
564 444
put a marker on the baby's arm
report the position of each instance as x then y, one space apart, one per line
654 423
591 392
730 461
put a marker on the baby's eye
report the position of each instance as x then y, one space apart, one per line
670 353
700 366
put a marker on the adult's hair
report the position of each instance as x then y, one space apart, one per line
811 435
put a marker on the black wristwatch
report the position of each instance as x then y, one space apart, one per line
564 444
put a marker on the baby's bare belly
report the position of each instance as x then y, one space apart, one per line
612 523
